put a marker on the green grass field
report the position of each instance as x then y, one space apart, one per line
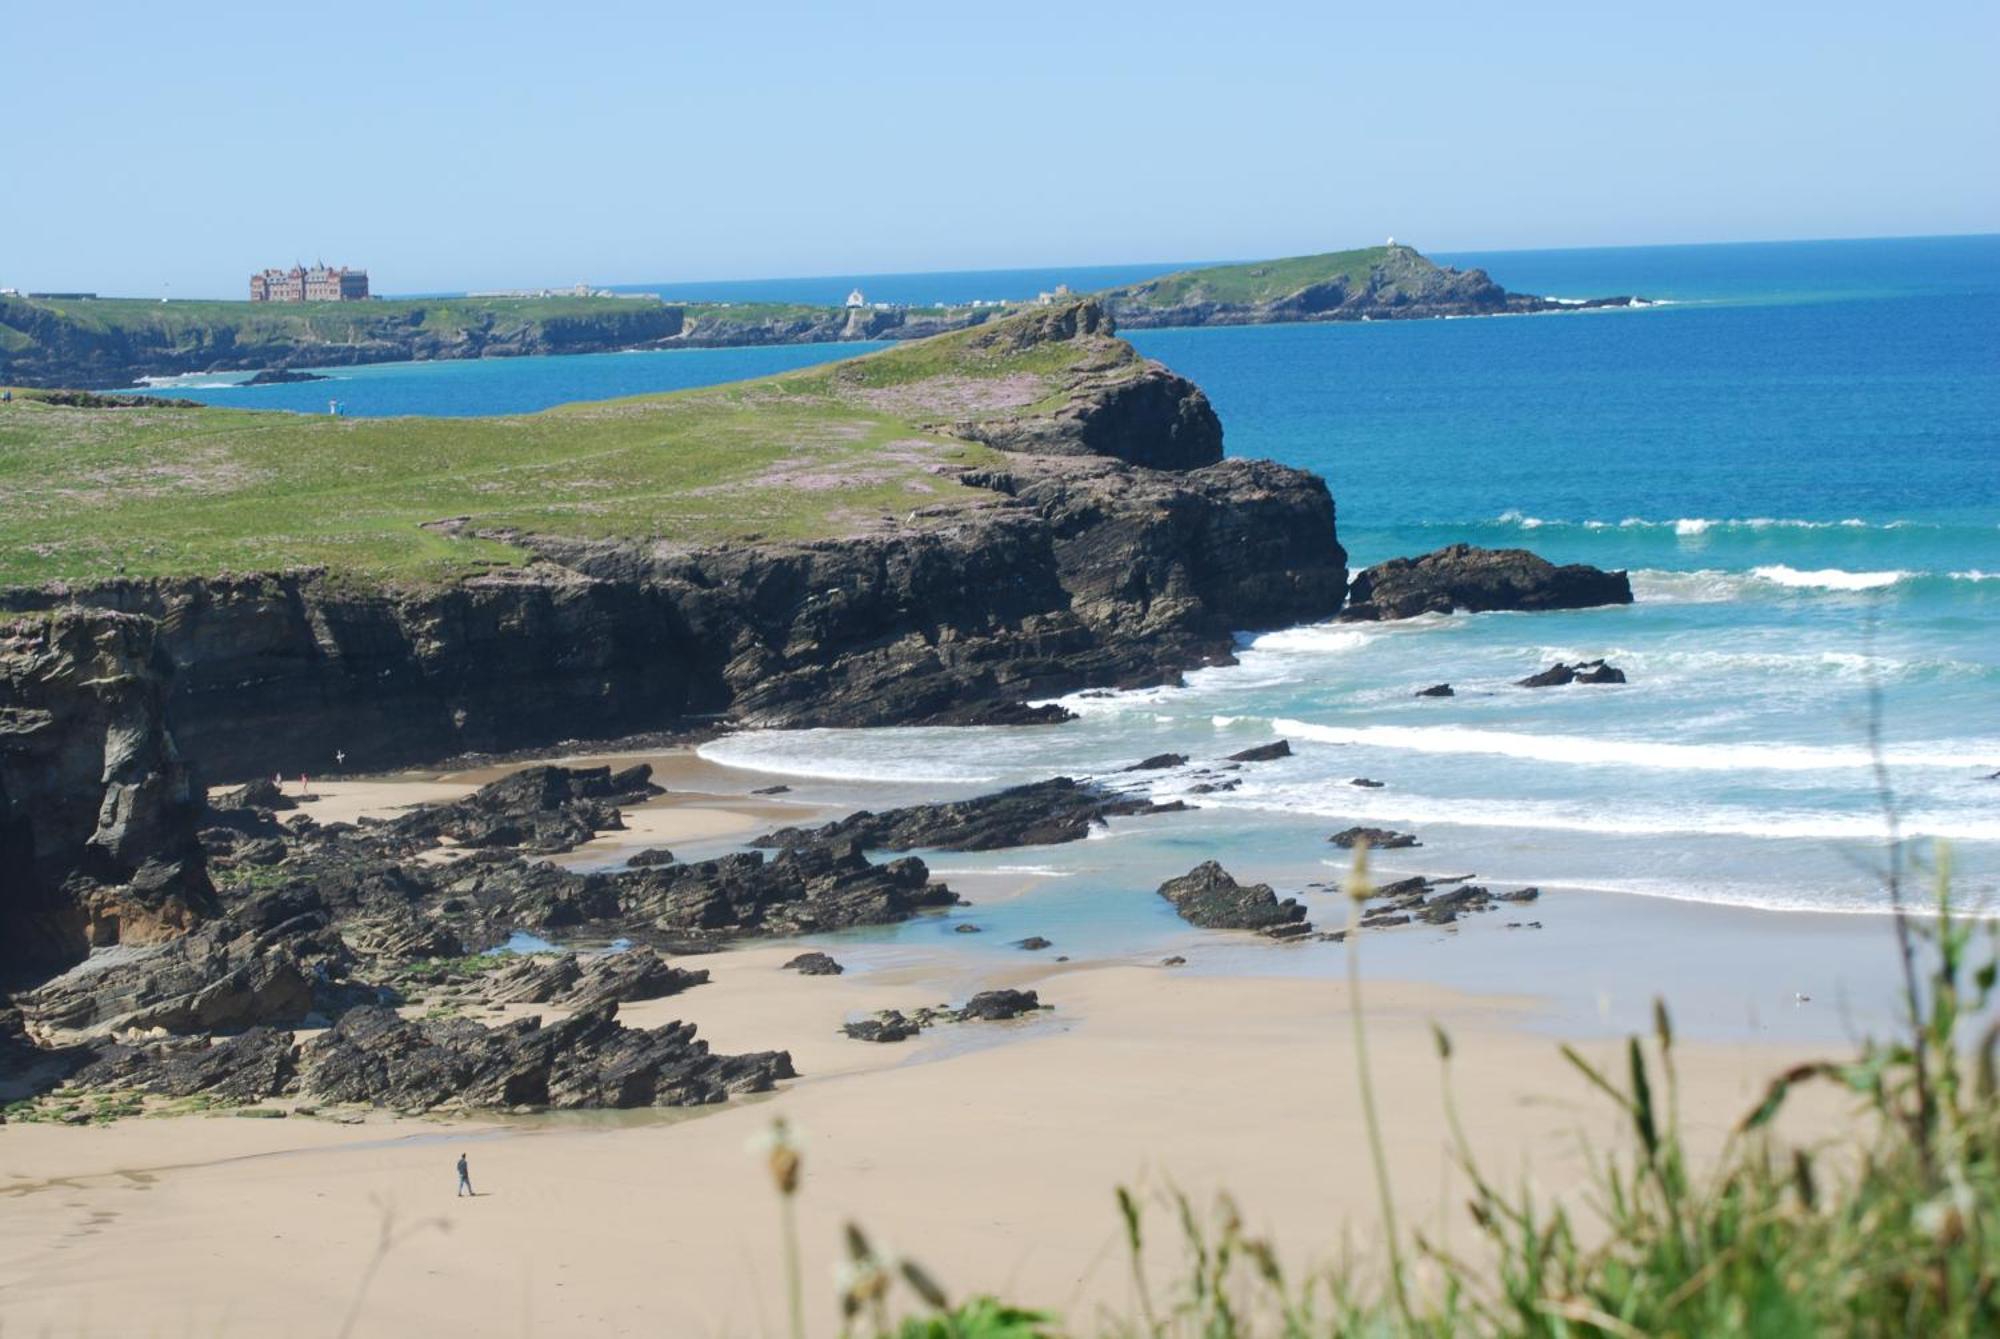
87 494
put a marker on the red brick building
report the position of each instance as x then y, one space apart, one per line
321 283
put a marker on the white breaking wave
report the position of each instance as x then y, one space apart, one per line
1975 575
1828 578
1315 638
1389 806
1699 525
809 753
1585 750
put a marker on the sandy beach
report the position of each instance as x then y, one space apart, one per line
988 1151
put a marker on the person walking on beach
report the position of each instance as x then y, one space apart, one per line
465 1179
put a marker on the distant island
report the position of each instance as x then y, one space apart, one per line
77 341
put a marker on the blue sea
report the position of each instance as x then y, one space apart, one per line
1797 457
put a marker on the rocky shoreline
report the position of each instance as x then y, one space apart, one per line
161 944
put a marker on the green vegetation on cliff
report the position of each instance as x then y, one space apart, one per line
1260 281
112 341
90 493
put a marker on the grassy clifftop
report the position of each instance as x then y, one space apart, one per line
89 493
1262 281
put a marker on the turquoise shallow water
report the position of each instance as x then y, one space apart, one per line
1798 458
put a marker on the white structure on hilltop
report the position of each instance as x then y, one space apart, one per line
855 299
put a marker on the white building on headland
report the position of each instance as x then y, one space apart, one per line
855 299
1060 292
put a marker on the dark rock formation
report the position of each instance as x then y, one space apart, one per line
98 814
1366 783
1587 671
1041 813
814 964
988 1006
997 1005
1033 943
1380 839
1478 580
1208 897
1436 690
887 1026
229 973
1264 752
585 983
542 809
586 1060
1081 572
652 855
281 376
1159 762
802 890
967 928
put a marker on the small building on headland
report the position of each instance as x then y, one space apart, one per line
321 283
855 299
1055 295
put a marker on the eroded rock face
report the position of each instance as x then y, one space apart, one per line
98 813
1083 571
229 973
1478 580
1208 897
1041 813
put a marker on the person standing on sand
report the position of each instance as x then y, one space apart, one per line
465 1179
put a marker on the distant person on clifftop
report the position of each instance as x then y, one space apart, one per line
465 1179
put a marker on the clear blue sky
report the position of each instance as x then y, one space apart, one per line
448 146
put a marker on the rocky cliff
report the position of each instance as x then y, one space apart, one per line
1111 544
1078 573
97 809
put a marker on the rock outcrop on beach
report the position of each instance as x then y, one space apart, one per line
546 810
1041 813
1462 577
1208 897
374 1056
